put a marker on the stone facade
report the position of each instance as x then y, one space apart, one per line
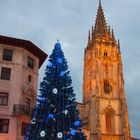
21 88
104 109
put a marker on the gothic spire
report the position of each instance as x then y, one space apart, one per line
100 24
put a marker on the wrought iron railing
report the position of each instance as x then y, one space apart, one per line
19 109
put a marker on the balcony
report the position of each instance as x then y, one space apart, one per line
19 109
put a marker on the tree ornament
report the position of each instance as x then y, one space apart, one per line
65 111
42 133
33 121
55 90
59 135
59 60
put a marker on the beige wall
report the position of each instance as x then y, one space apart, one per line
18 88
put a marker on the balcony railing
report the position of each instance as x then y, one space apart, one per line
19 109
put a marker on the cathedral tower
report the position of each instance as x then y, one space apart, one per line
104 109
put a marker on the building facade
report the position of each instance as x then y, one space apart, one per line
104 108
20 61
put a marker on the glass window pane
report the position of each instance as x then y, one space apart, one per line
3 98
30 62
5 73
7 55
4 125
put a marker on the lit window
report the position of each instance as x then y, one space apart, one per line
7 55
24 128
5 73
4 125
3 99
30 62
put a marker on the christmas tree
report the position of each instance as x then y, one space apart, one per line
55 115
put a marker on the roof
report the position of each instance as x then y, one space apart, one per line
27 45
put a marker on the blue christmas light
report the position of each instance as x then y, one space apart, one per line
59 60
62 73
73 132
40 98
49 64
77 123
50 116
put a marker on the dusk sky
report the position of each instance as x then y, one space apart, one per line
45 21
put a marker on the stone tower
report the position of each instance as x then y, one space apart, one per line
104 109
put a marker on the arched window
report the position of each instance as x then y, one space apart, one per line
109 122
105 53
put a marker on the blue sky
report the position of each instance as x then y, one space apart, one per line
45 21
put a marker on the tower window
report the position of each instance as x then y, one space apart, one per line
3 99
7 55
6 73
4 125
109 122
30 62
105 53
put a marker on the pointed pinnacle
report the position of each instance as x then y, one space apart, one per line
109 29
118 45
89 36
93 33
113 37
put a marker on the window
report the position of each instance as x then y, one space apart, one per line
105 53
6 73
4 125
30 62
109 119
7 55
24 128
27 105
29 78
107 87
3 99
